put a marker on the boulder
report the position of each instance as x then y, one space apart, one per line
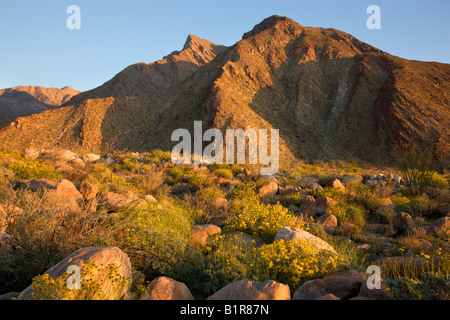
77 163
356 178
67 191
200 233
397 179
289 234
337 184
107 269
91 158
268 190
31 154
307 201
322 204
403 222
163 288
41 184
344 285
115 201
253 290
388 203
88 190
219 204
60 155
328 221
310 290
441 224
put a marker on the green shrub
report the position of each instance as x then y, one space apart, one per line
416 166
438 181
158 156
251 216
35 170
175 174
348 213
197 179
224 173
432 286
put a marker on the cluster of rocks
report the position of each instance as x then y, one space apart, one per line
67 160
344 285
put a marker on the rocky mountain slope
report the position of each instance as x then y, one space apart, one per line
330 95
23 101
144 79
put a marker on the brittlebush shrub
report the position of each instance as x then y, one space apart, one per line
35 170
348 213
250 215
224 173
48 288
293 263
288 262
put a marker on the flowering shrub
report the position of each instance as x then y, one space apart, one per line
251 216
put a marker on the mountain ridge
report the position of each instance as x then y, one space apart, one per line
331 96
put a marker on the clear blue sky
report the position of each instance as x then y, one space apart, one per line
38 49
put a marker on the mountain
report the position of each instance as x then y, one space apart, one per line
23 101
156 78
330 95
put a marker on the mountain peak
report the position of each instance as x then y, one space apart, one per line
194 41
270 22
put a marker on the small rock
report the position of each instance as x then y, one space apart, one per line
337 184
88 190
41 184
329 221
441 224
388 203
115 201
323 203
91 158
220 204
403 222
200 233
163 288
149 198
356 178
253 290
77 162
307 201
268 190
31 154
363 247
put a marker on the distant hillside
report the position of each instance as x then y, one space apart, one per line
23 101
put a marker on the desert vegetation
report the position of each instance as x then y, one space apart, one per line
209 227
